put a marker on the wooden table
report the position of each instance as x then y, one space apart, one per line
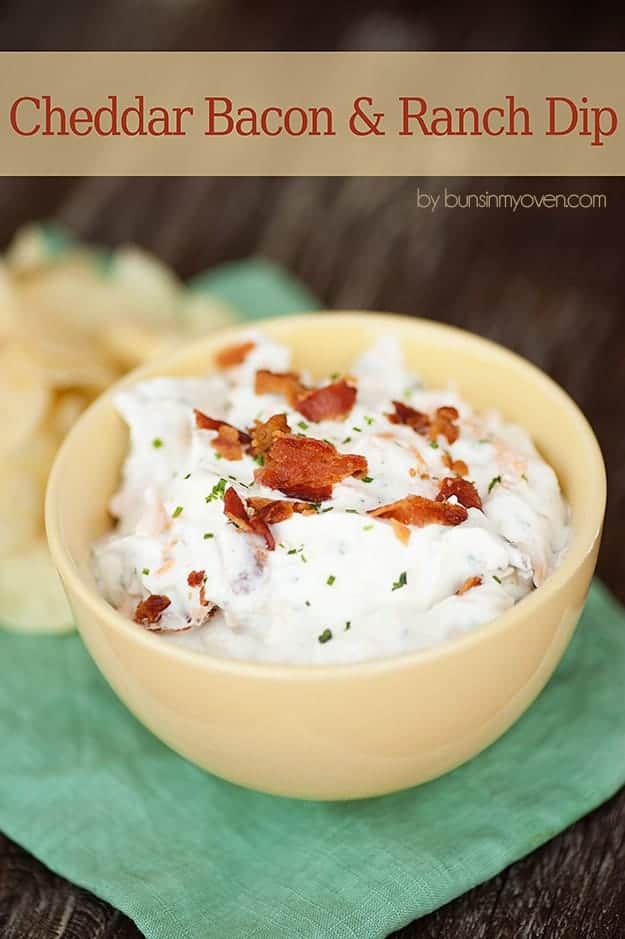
548 283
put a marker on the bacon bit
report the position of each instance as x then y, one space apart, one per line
265 432
280 383
229 439
277 510
469 583
443 424
234 355
150 610
328 403
196 578
400 531
464 491
419 511
238 515
459 467
404 414
307 468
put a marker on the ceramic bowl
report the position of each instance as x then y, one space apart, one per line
339 731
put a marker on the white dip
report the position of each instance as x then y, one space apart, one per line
341 585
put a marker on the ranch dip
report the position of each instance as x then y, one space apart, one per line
264 516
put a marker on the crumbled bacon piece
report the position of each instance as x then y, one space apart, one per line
150 610
287 384
235 510
444 424
277 510
441 423
265 432
464 491
469 583
419 511
459 467
404 414
328 403
401 531
196 578
234 354
229 440
307 468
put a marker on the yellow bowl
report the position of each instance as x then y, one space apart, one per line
339 731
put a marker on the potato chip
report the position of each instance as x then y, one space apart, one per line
31 595
130 344
23 478
69 360
148 283
24 396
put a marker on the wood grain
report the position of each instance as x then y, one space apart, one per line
550 284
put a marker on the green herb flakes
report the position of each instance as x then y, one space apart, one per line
218 490
368 527
303 425
145 571
207 535
177 511
367 479
434 444
497 579
260 459
157 443
494 482
401 581
325 636
348 625
331 579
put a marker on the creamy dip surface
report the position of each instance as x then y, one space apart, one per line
384 517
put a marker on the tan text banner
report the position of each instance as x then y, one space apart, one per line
305 114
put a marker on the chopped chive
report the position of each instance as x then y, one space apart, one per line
353 511
334 375
434 444
524 477
187 476
498 579
157 442
145 571
347 440
177 511
494 481
367 479
330 580
325 636
303 425
218 456
207 535
292 551
217 492
484 440
402 581
367 527
307 602
328 509
304 558
325 440
260 459
348 625
369 420
357 429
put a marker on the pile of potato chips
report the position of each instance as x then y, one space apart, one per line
71 322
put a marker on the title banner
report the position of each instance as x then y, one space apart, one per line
312 114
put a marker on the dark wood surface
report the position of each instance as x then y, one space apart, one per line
550 284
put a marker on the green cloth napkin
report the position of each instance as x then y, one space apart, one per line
94 795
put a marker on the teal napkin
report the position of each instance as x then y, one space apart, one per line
95 796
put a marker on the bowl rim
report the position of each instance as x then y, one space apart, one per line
581 545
